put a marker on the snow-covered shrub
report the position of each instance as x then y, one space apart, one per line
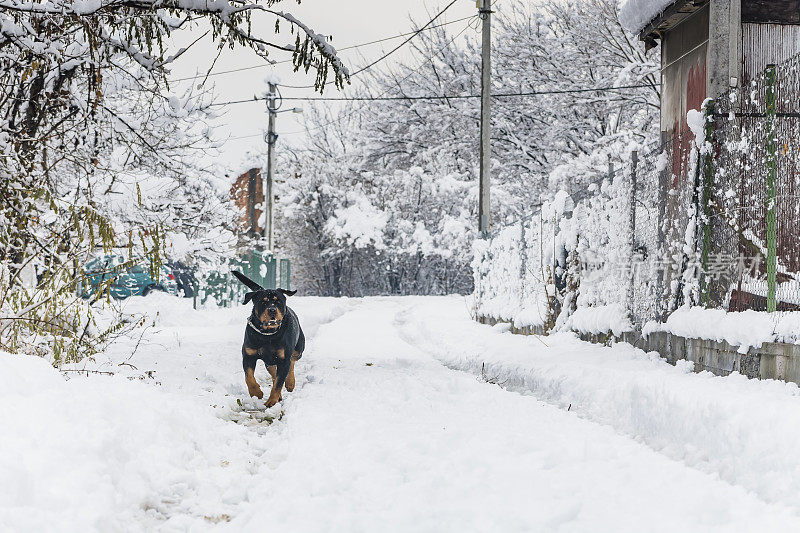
98 153
520 270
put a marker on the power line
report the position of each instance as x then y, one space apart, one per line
231 71
411 72
343 116
434 97
351 47
399 46
390 52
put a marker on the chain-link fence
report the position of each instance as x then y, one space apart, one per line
753 208
708 216
727 230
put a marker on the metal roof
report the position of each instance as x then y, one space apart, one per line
673 15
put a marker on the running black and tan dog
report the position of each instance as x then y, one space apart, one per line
273 334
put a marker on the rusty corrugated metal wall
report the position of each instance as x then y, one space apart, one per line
764 44
684 60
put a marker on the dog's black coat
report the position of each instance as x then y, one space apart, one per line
275 346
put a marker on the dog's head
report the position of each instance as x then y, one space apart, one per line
269 306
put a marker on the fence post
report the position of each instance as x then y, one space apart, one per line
523 255
632 231
707 153
771 176
664 269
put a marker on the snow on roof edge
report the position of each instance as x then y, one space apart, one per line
634 15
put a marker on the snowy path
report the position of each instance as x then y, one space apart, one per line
379 435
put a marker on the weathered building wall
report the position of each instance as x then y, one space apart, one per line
765 44
684 51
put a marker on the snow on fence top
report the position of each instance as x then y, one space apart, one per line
745 329
636 14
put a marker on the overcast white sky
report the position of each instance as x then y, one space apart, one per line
348 21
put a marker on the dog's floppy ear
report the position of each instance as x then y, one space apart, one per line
249 296
247 281
288 293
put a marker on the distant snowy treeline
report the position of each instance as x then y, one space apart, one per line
382 198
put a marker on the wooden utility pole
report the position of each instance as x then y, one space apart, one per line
485 12
271 139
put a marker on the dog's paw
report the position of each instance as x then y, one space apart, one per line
272 400
290 382
255 392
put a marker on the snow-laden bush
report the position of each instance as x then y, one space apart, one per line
98 154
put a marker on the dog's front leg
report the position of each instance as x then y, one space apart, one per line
290 377
249 365
281 371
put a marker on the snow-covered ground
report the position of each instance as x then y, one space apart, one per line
407 416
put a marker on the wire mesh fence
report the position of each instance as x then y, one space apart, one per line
709 215
727 233
751 223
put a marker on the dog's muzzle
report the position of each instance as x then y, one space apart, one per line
271 325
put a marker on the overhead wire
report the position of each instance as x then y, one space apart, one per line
420 97
470 20
390 52
284 61
434 96
346 115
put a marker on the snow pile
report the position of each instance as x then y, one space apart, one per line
514 270
420 447
697 123
743 431
169 441
507 286
746 329
107 453
636 14
600 320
